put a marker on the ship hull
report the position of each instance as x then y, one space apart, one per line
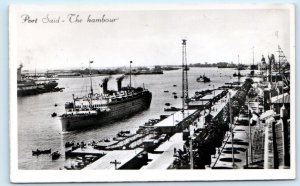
23 92
50 85
117 111
35 89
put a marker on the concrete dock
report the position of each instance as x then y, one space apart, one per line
120 156
164 160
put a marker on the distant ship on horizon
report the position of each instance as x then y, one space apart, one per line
32 86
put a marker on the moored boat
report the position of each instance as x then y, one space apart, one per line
172 109
38 152
69 144
203 79
237 74
55 155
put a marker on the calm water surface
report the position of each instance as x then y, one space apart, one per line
37 129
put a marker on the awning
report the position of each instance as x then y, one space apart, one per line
267 114
281 98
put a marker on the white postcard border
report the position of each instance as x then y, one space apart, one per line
25 176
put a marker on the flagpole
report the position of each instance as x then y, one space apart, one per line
250 133
91 96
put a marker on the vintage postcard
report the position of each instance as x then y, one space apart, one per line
152 93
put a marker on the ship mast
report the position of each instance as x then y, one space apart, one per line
130 74
239 74
91 78
91 95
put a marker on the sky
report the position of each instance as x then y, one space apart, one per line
149 37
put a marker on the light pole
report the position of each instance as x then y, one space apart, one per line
214 89
231 129
115 163
250 135
191 151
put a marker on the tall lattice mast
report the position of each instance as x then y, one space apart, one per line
185 88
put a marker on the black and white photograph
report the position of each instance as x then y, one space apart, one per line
152 93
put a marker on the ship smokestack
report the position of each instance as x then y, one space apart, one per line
119 82
104 85
20 67
19 73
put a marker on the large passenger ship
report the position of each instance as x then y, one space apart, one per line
99 109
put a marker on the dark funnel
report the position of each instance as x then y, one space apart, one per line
119 82
104 85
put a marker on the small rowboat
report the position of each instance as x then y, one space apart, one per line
38 152
55 155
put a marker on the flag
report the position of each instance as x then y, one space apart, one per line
91 61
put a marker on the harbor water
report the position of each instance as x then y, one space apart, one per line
37 129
